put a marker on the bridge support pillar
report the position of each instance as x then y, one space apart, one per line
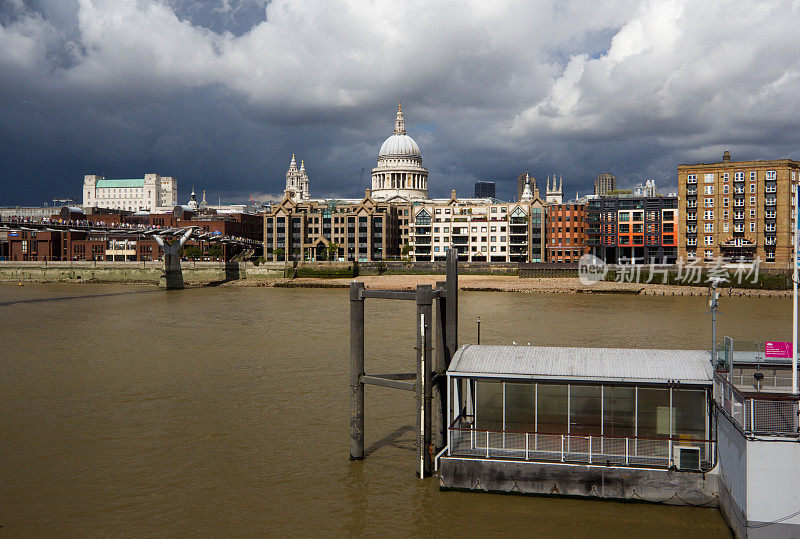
172 279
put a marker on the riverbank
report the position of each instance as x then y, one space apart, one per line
506 283
197 274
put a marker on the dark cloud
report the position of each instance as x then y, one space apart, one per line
220 94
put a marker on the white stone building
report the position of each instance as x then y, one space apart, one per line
297 181
399 174
139 194
481 230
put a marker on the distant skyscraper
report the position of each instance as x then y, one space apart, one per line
604 183
522 179
484 189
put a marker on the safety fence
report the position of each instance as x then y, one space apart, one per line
570 448
767 415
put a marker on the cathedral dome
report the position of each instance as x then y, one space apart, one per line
399 145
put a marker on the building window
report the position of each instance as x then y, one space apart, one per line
753 176
772 175
709 189
725 201
738 176
709 254
709 227
709 177
752 226
709 240
752 201
725 189
708 215
709 202
752 188
752 214
725 176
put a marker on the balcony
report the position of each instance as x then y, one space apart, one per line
770 228
691 180
771 189
692 191
770 240
691 242
691 217
691 204
770 202
769 214
691 229
738 203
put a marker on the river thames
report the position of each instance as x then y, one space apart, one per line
127 410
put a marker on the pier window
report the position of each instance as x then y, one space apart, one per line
489 408
653 415
619 411
553 407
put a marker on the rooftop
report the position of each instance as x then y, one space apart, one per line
120 183
584 364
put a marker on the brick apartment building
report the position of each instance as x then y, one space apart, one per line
566 235
738 210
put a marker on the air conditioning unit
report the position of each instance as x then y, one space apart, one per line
686 458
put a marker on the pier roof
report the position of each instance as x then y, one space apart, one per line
618 365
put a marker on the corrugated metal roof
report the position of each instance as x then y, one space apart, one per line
120 183
584 364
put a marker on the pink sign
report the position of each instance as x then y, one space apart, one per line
778 349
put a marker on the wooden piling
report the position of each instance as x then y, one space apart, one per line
424 367
356 371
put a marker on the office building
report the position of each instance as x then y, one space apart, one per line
632 229
604 183
484 189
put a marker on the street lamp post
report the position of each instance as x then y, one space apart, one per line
713 304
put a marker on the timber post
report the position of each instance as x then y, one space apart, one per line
423 386
356 371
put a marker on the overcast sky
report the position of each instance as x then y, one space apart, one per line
221 95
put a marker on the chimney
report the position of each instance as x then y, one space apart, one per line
726 156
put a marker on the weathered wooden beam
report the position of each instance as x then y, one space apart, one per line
389 294
356 371
423 383
407 385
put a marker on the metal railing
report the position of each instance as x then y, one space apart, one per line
775 415
571 448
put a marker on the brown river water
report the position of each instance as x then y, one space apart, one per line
125 410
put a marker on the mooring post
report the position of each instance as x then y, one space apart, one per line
440 369
356 371
424 367
452 305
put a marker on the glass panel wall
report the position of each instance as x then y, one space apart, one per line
689 414
552 406
619 411
584 410
520 411
590 410
489 409
653 417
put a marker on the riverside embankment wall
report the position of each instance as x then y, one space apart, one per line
144 272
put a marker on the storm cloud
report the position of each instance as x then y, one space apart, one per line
221 94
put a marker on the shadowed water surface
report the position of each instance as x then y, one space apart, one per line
224 411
